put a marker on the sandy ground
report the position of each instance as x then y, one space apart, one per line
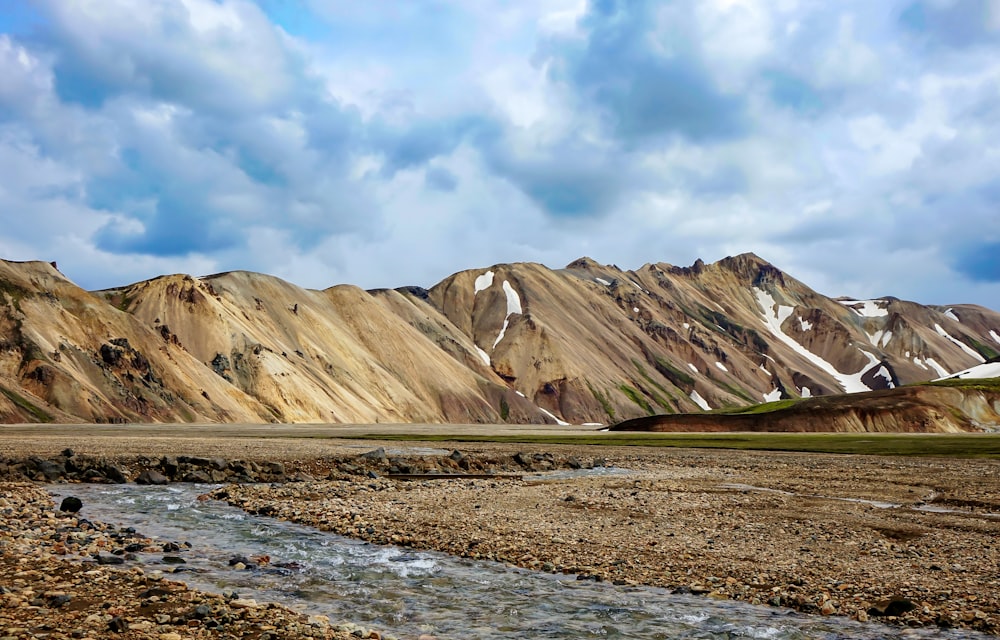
848 535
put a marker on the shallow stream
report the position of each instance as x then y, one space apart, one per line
407 593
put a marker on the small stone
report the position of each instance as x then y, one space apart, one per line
892 607
118 625
828 608
71 504
57 600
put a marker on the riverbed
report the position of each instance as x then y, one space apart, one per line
407 593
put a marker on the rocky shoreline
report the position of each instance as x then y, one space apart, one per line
64 577
906 541
68 466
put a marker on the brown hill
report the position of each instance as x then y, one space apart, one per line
955 407
589 343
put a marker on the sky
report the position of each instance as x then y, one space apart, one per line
853 144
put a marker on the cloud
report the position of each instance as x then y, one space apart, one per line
636 65
952 23
397 142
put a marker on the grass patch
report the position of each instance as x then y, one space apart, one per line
603 399
714 320
673 374
973 384
736 391
504 409
886 444
657 398
645 374
36 412
14 293
766 407
635 397
985 350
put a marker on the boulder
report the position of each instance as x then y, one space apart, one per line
71 504
151 477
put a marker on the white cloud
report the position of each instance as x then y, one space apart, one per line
394 143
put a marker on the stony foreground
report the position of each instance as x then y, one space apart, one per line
46 591
780 529
771 528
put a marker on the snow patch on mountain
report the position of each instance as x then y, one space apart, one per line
513 300
805 325
701 402
882 371
774 396
485 356
693 368
558 421
993 334
774 316
483 282
602 281
869 308
805 393
949 313
879 338
987 370
941 371
722 367
964 347
513 306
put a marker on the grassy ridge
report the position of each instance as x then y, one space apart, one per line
889 444
976 384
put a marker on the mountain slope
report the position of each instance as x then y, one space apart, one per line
589 343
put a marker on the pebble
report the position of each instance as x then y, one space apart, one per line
674 524
107 598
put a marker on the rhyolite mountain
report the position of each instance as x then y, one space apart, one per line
586 344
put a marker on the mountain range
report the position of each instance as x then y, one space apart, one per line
588 344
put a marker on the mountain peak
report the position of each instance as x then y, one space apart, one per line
583 263
751 267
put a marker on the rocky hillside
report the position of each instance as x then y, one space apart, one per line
586 344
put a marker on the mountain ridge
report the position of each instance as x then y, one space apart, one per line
518 342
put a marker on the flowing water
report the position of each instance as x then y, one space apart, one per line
407 593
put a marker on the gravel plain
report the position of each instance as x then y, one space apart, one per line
909 541
905 541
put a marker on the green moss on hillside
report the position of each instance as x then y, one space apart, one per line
637 398
37 413
975 384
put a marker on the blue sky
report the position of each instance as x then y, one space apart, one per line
854 144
